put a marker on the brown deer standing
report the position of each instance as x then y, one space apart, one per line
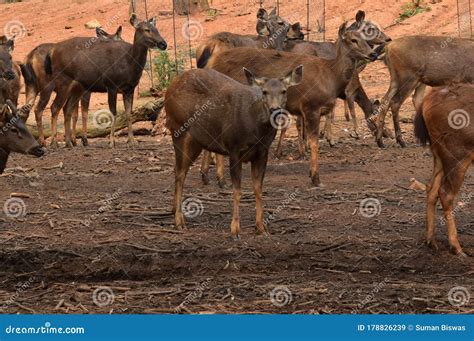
232 119
445 119
9 73
37 81
105 66
14 136
324 79
417 61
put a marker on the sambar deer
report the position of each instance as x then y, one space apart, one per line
417 61
14 136
37 81
9 73
105 66
445 119
208 110
323 83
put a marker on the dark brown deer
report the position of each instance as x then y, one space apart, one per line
417 61
445 119
9 73
37 81
105 66
273 32
323 83
14 136
232 119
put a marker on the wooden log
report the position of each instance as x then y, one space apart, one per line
149 111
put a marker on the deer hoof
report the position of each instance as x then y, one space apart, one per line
74 143
221 184
432 244
85 142
205 179
355 135
236 238
131 141
315 181
380 143
332 142
401 143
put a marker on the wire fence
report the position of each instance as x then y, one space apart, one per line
464 18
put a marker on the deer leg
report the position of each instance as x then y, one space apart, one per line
236 175
312 122
258 172
220 167
350 104
432 191
450 186
328 127
85 101
397 102
112 99
386 102
278 151
43 102
301 137
71 109
58 103
128 101
418 96
206 161
75 116
346 110
186 152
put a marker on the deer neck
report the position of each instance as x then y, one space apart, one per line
3 159
343 65
139 54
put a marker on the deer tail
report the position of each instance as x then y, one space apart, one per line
204 57
48 64
28 74
421 131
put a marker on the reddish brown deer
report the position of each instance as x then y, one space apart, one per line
445 119
14 136
232 119
37 81
104 66
444 61
324 79
9 73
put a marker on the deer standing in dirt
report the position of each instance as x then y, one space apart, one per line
229 118
14 136
324 79
9 73
105 66
445 119
37 81
417 61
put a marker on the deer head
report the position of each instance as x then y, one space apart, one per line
147 33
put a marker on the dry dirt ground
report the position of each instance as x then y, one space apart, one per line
98 233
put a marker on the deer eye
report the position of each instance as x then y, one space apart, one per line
265 92
283 92
14 130
354 40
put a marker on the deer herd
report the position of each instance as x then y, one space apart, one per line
245 85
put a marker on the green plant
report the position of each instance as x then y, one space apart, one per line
166 68
411 9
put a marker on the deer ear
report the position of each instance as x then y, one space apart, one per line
294 77
152 21
262 14
118 33
273 13
376 102
262 29
342 30
99 32
10 44
250 77
134 20
360 16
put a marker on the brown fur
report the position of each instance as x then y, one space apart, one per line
446 115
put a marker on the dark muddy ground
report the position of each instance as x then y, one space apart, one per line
98 236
